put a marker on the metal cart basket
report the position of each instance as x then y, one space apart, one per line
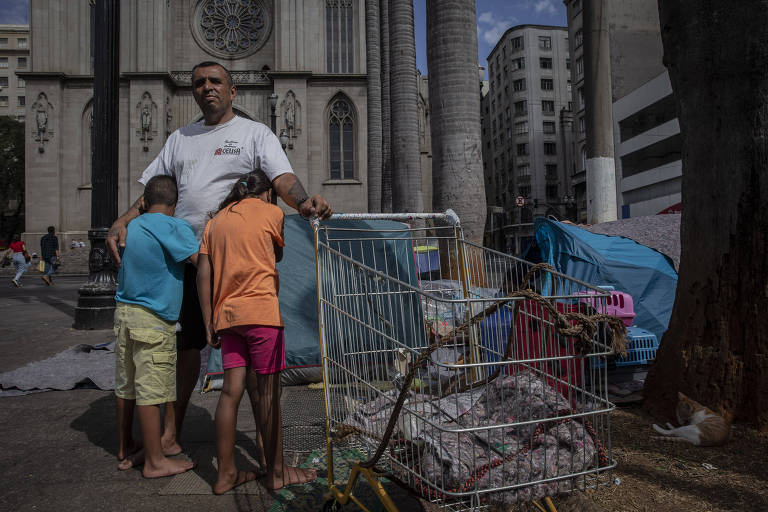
484 387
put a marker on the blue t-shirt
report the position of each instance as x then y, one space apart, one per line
152 269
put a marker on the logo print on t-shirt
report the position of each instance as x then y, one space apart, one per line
230 148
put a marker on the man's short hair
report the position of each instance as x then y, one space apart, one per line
51 229
161 189
210 63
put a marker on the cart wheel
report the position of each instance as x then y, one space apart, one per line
332 506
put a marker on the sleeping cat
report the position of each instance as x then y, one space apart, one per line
701 426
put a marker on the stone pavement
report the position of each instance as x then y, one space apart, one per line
58 448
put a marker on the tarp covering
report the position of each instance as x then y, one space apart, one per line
298 288
646 274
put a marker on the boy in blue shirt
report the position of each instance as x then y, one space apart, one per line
148 300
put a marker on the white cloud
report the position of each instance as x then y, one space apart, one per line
544 6
491 29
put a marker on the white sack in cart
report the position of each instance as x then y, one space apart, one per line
451 460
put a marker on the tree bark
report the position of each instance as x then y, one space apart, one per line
454 104
386 135
716 348
406 164
373 64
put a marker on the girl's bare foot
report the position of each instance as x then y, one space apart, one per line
290 476
170 447
225 483
167 467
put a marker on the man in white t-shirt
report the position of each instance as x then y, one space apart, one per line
206 158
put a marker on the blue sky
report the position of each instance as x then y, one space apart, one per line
493 18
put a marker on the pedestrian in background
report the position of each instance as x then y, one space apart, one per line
49 251
21 259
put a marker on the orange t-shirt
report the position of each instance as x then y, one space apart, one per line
240 243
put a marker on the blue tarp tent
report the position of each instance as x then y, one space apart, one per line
646 274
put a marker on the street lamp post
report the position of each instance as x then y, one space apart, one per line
272 108
96 298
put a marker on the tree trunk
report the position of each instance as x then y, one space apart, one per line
373 65
386 135
716 348
454 104
406 164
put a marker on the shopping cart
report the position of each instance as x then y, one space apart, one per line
471 390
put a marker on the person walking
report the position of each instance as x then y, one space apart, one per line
49 251
21 259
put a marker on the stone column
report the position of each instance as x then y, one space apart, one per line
96 302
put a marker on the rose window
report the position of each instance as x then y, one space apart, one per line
231 28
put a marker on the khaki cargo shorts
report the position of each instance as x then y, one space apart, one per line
145 369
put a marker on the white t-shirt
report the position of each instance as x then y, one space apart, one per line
207 160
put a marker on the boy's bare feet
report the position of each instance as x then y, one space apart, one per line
226 483
170 447
291 476
137 458
168 467
125 454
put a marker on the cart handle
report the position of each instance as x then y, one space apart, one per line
449 216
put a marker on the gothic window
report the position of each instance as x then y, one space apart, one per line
231 29
341 139
339 41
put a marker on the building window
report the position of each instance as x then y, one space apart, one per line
3 101
3 62
580 66
22 62
517 43
21 101
581 97
568 85
550 148
568 63
545 42
547 84
570 105
548 107
3 81
508 113
341 129
551 171
524 170
579 37
552 193
521 128
3 42
521 108
518 63
21 84
549 127
21 42
339 39
518 85
545 63
525 191
522 149
581 125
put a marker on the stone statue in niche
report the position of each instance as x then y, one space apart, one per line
41 107
290 110
147 112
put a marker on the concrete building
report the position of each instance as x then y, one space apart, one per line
526 151
311 54
14 58
647 175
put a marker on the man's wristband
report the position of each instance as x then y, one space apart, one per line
300 202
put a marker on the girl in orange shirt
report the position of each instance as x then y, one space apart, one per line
237 282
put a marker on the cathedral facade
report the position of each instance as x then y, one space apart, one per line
309 53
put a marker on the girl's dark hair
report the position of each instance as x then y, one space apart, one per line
247 185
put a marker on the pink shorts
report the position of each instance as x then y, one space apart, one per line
259 346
